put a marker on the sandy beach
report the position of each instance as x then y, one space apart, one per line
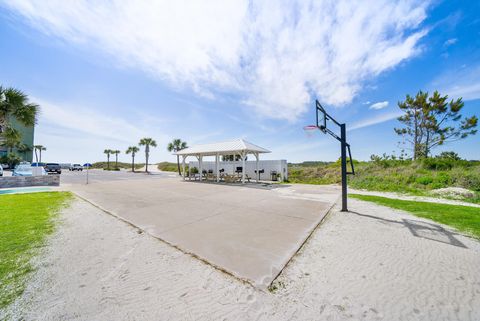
384 265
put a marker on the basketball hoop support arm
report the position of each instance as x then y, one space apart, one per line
344 145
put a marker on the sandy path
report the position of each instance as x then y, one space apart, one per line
354 267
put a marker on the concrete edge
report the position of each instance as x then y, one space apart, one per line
309 236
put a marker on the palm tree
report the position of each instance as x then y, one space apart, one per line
147 142
24 149
14 105
13 159
133 150
108 152
39 148
11 139
116 152
174 146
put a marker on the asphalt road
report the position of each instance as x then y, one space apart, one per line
96 175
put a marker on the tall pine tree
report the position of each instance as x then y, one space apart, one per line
432 121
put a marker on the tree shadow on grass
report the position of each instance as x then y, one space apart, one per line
425 230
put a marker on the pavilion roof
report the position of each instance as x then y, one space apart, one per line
236 146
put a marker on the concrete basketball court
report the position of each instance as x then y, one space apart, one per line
248 231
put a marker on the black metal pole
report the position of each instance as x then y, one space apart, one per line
343 137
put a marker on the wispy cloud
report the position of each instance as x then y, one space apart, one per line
83 120
75 132
379 105
378 119
463 82
450 42
274 55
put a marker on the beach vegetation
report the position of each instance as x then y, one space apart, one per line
387 174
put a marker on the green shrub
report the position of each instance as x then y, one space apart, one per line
449 155
438 163
443 178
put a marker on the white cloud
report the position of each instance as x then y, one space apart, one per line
450 42
379 105
378 119
276 56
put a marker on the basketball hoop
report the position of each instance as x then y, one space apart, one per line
310 130
322 117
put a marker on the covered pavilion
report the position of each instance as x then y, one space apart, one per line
235 147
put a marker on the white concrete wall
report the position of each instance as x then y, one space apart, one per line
280 166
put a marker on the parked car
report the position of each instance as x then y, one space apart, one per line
38 164
1 170
76 167
53 168
27 170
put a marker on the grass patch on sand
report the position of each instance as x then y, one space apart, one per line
464 218
25 222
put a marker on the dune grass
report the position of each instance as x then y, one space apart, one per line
464 218
168 167
103 165
25 222
401 176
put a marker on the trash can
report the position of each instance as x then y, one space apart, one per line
273 174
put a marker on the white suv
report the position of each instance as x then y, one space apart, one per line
76 167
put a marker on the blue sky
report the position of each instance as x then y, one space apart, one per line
106 76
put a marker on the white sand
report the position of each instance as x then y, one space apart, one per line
354 267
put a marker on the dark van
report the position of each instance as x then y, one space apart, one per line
53 168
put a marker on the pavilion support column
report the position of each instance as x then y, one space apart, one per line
217 169
243 167
183 166
200 164
256 165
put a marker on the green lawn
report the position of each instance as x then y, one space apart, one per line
25 221
464 218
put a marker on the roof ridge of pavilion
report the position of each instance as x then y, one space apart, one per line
245 142
241 145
